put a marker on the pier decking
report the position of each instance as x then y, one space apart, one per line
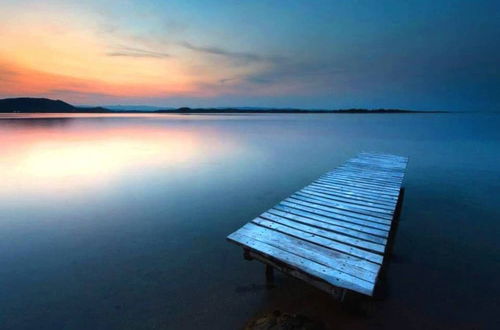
334 232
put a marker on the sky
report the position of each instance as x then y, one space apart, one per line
415 54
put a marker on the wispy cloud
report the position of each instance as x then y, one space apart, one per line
66 92
305 72
302 74
124 51
227 80
246 57
6 74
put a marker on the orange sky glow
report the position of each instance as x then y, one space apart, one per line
37 59
54 52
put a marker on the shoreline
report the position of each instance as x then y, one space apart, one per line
233 111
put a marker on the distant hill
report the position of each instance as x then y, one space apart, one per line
284 110
42 105
26 104
149 108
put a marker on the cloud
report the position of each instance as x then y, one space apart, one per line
245 57
66 92
301 72
7 74
226 80
124 51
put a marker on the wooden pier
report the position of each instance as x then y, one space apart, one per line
334 232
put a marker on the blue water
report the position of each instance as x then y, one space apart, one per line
119 222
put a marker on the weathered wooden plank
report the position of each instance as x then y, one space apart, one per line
307 266
387 163
367 165
348 184
377 162
384 189
371 169
386 166
342 262
400 161
368 170
370 166
328 243
334 236
380 154
328 225
373 173
353 189
338 222
298 204
357 204
381 166
347 206
367 196
381 158
381 174
364 178
364 154
349 199
355 185
391 200
363 181
342 209
365 175
350 196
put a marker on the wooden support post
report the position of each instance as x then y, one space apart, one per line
395 223
269 274
399 204
338 293
246 254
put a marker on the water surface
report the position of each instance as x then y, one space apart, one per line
119 221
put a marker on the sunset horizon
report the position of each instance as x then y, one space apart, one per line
218 53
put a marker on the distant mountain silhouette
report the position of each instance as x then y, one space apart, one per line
149 108
42 105
283 110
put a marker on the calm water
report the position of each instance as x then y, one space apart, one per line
119 222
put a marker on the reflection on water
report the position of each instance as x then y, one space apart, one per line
48 157
119 221
58 153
